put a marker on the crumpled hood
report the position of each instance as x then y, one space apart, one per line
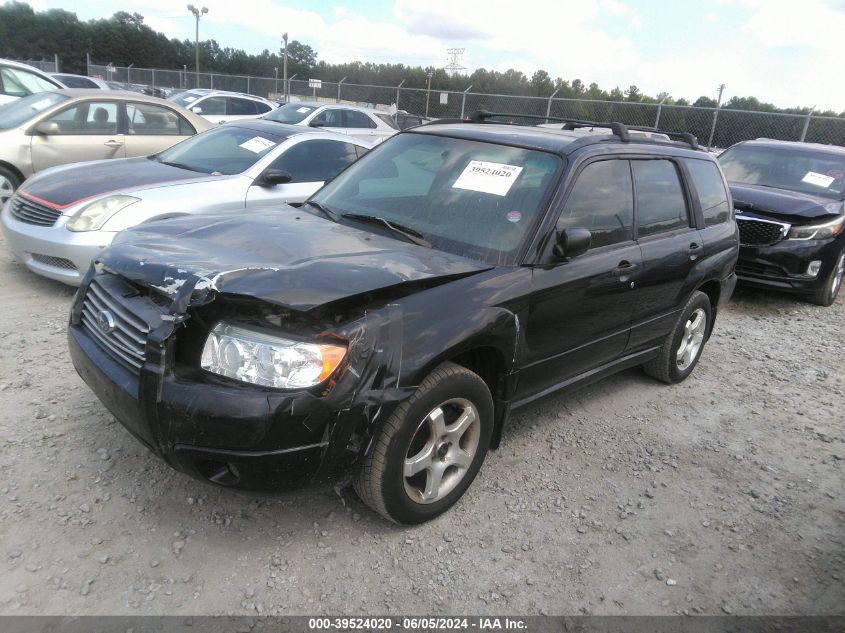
286 256
64 187
772 201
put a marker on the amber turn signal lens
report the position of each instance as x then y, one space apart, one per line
332 357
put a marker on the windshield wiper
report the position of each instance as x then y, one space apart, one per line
331 215
412 235
182 166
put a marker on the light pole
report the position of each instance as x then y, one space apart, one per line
428 92
285 66
197 14
715 117
276 70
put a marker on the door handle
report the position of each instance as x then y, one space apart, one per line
624 268
694 250
112 143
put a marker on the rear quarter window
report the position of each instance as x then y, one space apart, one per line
711 191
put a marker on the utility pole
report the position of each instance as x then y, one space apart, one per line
197 14
285 65
715 117
428 92
276 70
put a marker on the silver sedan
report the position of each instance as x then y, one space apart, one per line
60 219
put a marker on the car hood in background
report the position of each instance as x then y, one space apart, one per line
287 257
66 186
771 201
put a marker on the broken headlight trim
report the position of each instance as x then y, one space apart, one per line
817 231
268 360
96 214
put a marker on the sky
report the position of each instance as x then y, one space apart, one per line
779 51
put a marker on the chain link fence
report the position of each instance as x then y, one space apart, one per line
44 65
718 128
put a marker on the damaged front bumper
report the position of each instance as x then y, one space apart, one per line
784 264
218 430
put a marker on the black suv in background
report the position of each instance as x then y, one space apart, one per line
789 200
458 271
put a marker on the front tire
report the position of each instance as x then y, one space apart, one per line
431 448
9 182
827 295
683 346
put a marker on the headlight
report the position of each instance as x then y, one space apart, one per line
96 214
268 360
816 231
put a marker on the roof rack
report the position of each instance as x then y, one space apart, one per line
618 129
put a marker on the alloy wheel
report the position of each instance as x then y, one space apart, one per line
441 450
6 190
692 339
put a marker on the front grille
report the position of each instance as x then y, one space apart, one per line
760 232
55 262
33 213
126 343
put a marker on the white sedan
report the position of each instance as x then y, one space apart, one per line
60 219
368 124
220 106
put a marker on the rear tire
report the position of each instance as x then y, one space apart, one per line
9 182
430 449
683 346
827 295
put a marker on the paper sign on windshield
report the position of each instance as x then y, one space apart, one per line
303 110
819 180
487 177
190 99
257 144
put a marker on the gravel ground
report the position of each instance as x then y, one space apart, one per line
720 495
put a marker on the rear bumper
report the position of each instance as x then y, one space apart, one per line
783 265
53 251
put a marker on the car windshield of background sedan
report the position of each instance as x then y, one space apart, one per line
474 199
185 99
22 110
225 151
805 171
291 113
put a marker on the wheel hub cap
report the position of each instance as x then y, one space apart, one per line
692 339
441 450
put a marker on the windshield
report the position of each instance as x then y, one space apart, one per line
21 110
223 150
806 171
292 113
185 99
479 200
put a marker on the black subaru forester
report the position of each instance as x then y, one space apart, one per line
389 325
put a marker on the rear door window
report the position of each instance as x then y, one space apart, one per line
711 191
241 107
661 204
355 119
601 201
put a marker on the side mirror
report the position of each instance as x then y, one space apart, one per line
47 128
317 123
273 177
196 110
572 243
